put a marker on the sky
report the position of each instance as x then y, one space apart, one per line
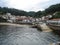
28 5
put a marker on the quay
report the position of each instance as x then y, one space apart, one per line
15 25
41 26
44 27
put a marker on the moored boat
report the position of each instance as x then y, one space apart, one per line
54 25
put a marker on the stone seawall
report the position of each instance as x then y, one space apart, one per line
18 25
43 27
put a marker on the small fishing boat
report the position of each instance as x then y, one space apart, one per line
54 25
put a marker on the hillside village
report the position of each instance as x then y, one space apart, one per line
21 19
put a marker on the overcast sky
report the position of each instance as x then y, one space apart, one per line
28 5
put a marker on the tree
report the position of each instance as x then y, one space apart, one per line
31 13
57 15
52 9
38 14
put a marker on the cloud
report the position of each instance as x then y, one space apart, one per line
3 3
25 4
28 5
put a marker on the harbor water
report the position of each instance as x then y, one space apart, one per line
25 35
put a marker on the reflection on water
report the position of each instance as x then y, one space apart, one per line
10 35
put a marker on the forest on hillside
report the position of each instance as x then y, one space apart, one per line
50 10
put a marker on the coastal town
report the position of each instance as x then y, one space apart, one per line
19 27
8 18
51 23
46 24
13 18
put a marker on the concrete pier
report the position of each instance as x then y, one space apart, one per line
44 27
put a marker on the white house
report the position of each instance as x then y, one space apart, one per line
10 18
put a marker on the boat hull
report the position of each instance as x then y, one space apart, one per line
55 28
